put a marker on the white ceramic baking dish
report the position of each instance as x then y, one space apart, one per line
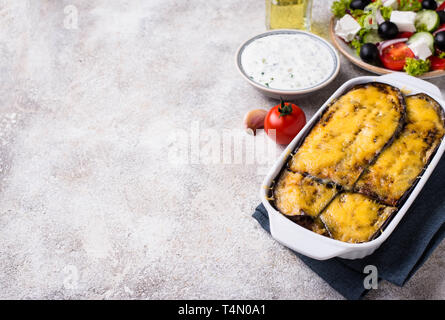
320 247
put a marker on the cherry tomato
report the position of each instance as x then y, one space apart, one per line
394 56
437 63
284 121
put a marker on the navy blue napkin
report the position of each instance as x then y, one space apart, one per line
401 255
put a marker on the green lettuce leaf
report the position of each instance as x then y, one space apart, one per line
386 12
410 5
357 45
339 8
416 67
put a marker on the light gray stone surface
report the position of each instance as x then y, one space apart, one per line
90 204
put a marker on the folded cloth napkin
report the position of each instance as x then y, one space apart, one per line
401 255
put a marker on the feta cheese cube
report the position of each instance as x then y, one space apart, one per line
404 20
420 49
347 28
391 3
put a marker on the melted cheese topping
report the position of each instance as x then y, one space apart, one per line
398 166
299 195
348 136
354 218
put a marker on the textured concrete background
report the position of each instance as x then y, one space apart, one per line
90 205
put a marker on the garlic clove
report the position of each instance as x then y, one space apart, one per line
253 120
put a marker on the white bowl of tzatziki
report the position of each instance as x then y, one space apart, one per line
287 63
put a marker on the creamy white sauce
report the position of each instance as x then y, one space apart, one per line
287 61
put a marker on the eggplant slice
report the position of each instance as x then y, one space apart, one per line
354 217
297 195
397 168
351 133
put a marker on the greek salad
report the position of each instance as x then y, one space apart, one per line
400 35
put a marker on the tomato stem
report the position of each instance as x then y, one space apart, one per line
285 108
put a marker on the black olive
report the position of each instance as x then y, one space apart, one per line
429 4
369 53
439 40
359 4
441 16
388 30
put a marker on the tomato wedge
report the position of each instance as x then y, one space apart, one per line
437 63
405 34
394 56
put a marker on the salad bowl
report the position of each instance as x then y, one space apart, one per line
351 55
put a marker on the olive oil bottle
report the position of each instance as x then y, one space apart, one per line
288 14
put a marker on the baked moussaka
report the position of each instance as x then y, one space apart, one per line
352 131
359 162
396 169
354 218
296 195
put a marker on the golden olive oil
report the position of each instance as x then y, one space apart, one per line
288 14
320 29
